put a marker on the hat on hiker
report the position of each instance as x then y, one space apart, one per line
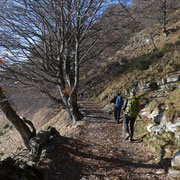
118 94
132 93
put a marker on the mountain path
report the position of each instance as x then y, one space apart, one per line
99 152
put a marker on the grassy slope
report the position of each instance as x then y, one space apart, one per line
144 65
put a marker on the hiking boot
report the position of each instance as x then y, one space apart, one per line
120 121
127 136
131 139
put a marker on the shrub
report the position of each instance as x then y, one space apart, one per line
114 69
10 127
157 54
177 42
6 126
166 47
176 66
171 113
1 133
141 63
144 61
1 153
179 36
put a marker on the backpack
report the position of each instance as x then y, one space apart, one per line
132 108
119 101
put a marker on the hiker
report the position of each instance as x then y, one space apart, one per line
118 103
131 109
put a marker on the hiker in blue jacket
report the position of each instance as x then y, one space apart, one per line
118 103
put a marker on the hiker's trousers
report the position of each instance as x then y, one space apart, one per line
117 112
129 121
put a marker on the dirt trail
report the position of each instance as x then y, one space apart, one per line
100 152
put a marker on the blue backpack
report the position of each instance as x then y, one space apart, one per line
119 101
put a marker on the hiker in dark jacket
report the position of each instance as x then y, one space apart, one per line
131 109
118 103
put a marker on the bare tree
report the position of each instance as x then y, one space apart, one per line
3 2
164 12
44 42
152 11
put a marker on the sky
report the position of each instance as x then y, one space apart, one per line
127 2
123 1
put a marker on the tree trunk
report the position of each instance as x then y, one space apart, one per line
18 123
73 109
74 113
164 11
153 43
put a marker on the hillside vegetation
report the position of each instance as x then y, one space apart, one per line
142 62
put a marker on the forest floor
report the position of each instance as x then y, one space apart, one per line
99 152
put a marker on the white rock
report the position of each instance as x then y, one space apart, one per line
154 113
159 172
173 78
174 174
172 126
177 135
144 113
157 129
149 127
175 162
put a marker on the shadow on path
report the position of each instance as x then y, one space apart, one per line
100 151
68 160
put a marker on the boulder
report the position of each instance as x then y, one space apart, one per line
157 129
173 78
174 174
172 127
158 118
175 162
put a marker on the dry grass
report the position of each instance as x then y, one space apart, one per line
173 104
